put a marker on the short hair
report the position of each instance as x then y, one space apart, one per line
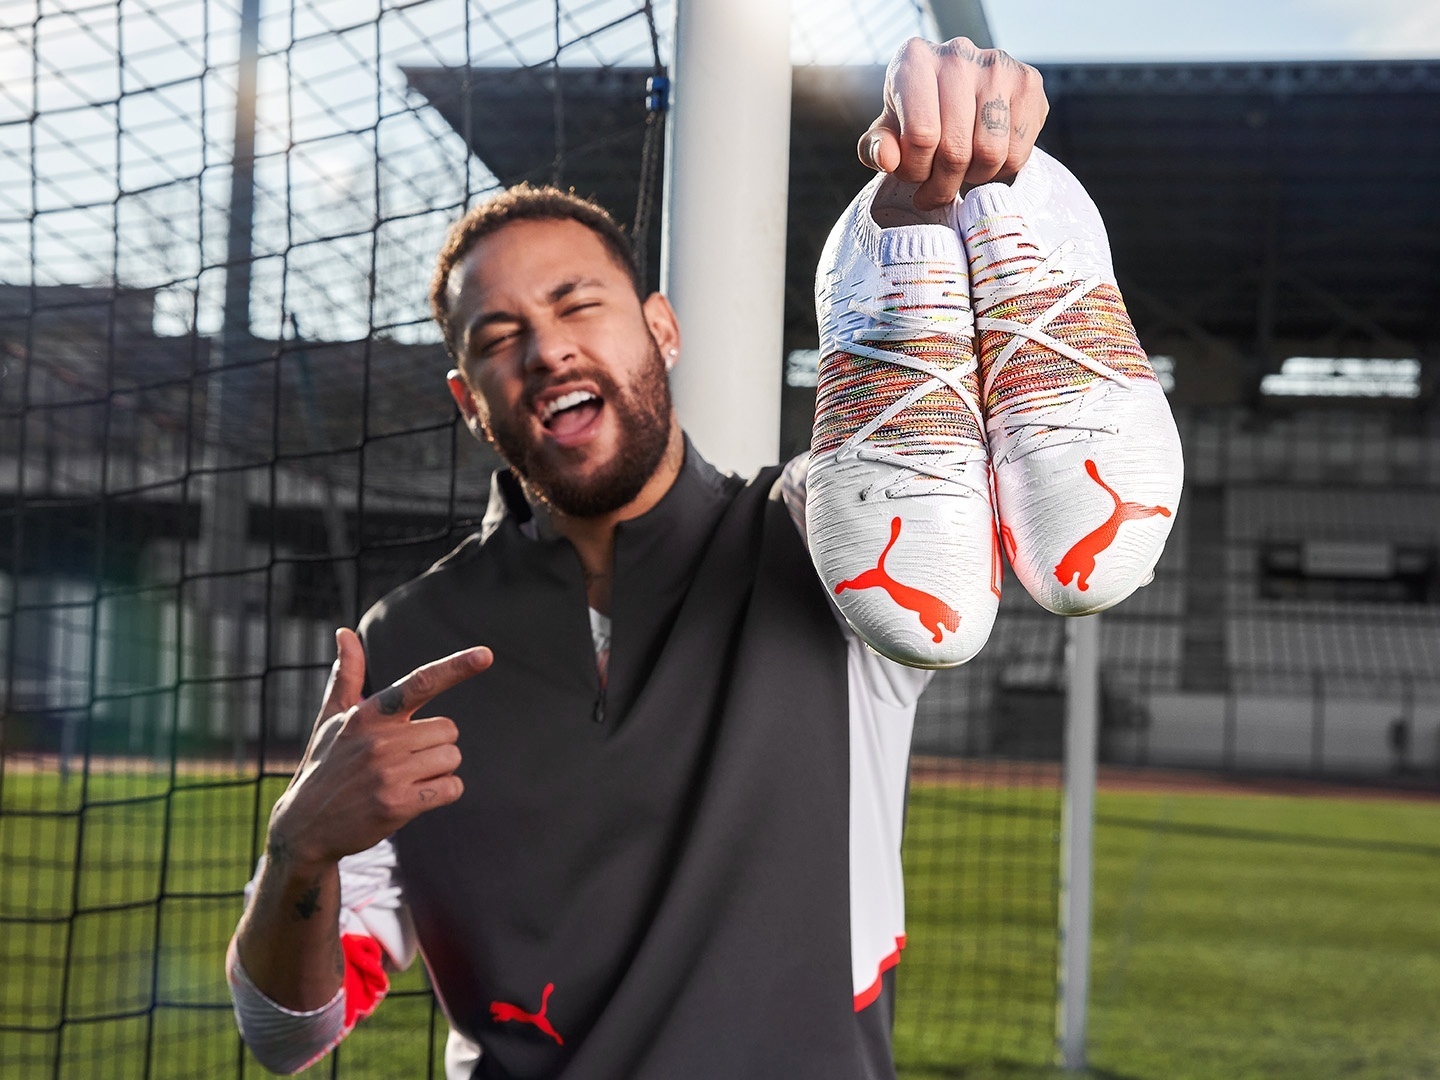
523 203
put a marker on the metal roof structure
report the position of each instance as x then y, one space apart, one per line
1255 210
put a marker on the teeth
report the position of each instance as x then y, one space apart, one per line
565 401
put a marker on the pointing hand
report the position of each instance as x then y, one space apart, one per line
369 767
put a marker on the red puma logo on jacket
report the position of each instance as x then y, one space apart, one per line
934 613
501 1011
1079 561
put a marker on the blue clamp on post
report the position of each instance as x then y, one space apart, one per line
657 93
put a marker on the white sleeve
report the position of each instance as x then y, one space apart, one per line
371 903
893 684
285 1040
882 696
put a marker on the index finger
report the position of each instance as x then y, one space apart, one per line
913 107
404 696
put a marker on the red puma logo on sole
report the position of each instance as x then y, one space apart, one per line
934 613
1079 561
502 1011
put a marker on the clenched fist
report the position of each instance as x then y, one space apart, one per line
955 116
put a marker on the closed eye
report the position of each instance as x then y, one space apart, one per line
491 344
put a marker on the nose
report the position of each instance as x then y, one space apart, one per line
551 347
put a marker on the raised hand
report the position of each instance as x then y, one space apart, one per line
955 116
369 768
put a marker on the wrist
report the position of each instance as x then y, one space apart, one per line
294 859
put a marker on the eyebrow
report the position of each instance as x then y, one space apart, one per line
565 288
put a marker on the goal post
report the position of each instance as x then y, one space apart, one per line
1077 836
727 171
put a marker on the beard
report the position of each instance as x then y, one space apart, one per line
643 413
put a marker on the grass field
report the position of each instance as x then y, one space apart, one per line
1235 937
1256 936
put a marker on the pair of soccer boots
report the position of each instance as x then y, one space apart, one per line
981 388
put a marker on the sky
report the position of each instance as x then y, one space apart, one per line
1036 30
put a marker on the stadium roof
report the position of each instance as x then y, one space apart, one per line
1253 208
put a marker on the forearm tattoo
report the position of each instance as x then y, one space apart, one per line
995 115
277 849
309 903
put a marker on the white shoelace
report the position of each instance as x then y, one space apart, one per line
938 464
1034 331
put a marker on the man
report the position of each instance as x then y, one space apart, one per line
648 844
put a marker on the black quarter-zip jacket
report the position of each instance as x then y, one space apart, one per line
667 853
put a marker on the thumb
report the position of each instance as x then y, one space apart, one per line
879 147
347 676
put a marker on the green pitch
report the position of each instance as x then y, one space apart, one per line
1235 937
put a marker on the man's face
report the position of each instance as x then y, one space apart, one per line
562 359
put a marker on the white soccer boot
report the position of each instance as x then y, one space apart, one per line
899 514
1086 456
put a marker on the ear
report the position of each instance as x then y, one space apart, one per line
470 407
664 326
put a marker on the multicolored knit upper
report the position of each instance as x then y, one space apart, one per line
854 389
1004 265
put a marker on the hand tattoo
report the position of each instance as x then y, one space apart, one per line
995 115
427 794
984 58
391 700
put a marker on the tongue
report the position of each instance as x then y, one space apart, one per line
574 419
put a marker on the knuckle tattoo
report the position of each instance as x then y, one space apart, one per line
390 700
960 49
995 116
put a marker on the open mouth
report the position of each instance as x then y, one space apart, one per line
570 415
